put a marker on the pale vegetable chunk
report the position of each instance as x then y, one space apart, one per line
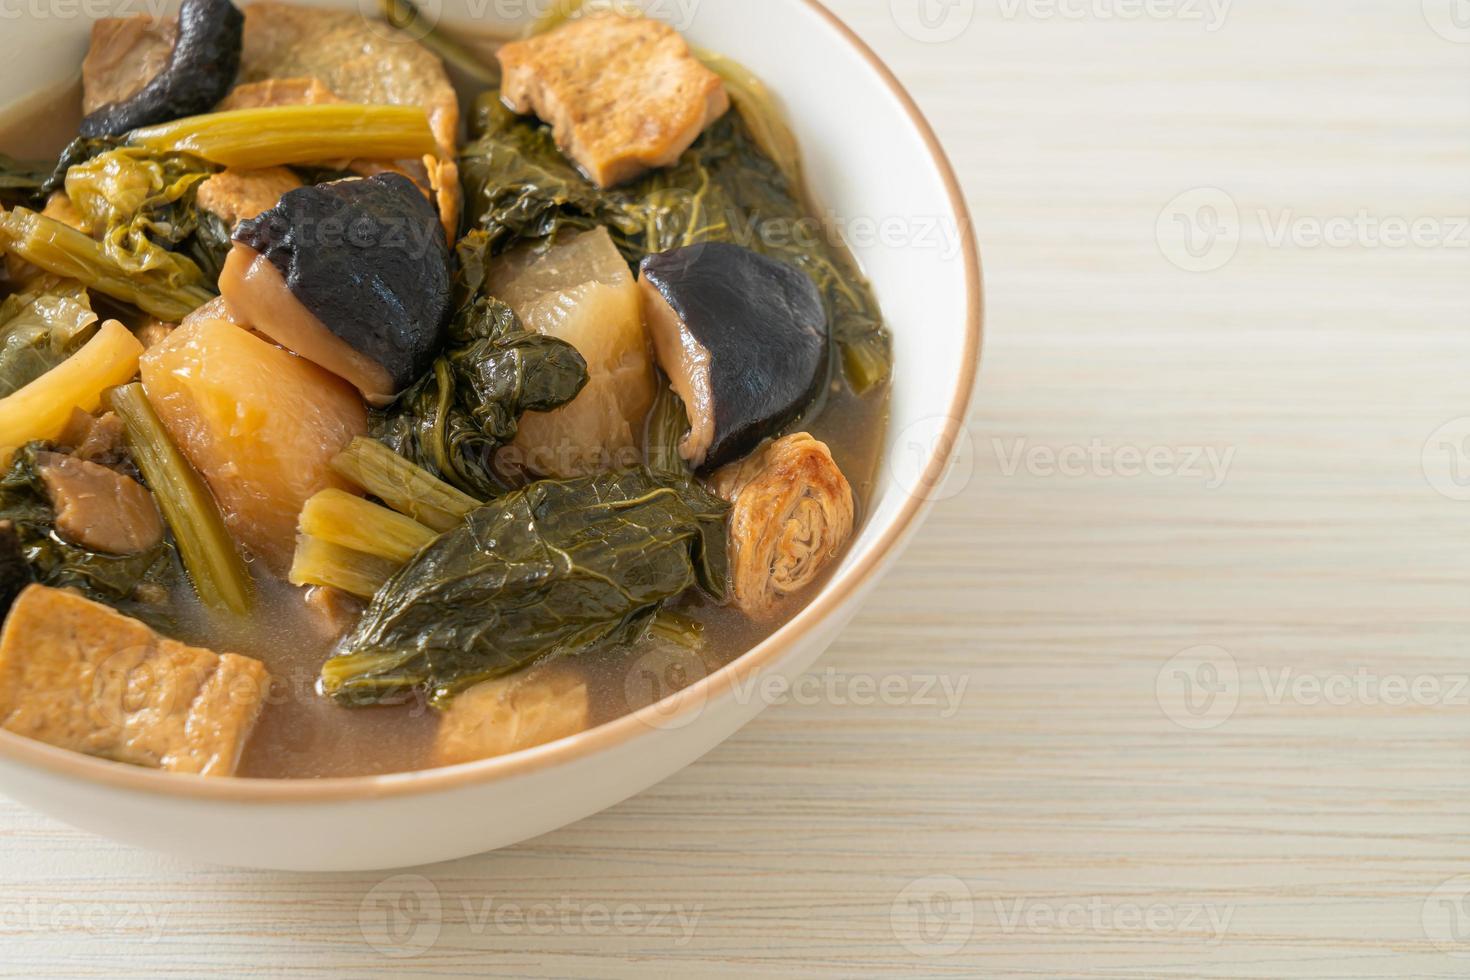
513 713
43 408
259 424
581 291
622 94
83 677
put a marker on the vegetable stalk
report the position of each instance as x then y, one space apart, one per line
339 518
320 562
209 554
295 135
406 488
66 252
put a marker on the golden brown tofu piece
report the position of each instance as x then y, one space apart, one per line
235 195
98 508
513 713
126 54
81 676
278 92
355 59
295 55
622 94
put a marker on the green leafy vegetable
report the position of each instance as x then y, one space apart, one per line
15 574
135 583
553 569
208 552
66 252
469 405
21 182
666 427
40 328
518 186
139 206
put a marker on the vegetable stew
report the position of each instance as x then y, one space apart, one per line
368 405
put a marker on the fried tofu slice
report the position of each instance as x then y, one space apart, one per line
81 676
513 713
235 195
622 94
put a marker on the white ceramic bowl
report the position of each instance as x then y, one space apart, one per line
872 159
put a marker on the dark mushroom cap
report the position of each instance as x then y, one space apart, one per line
366 257
765 330
200 72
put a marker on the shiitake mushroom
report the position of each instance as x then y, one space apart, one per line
743 339
353 275
200 72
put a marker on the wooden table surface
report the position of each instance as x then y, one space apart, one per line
1177 675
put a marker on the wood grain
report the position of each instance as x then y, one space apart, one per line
1058 821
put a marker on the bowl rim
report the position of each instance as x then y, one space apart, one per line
647 721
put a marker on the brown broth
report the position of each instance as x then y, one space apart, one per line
301 733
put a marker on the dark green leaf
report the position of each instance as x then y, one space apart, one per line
135 584
553 569
494 370
21 182
40 328
519 187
